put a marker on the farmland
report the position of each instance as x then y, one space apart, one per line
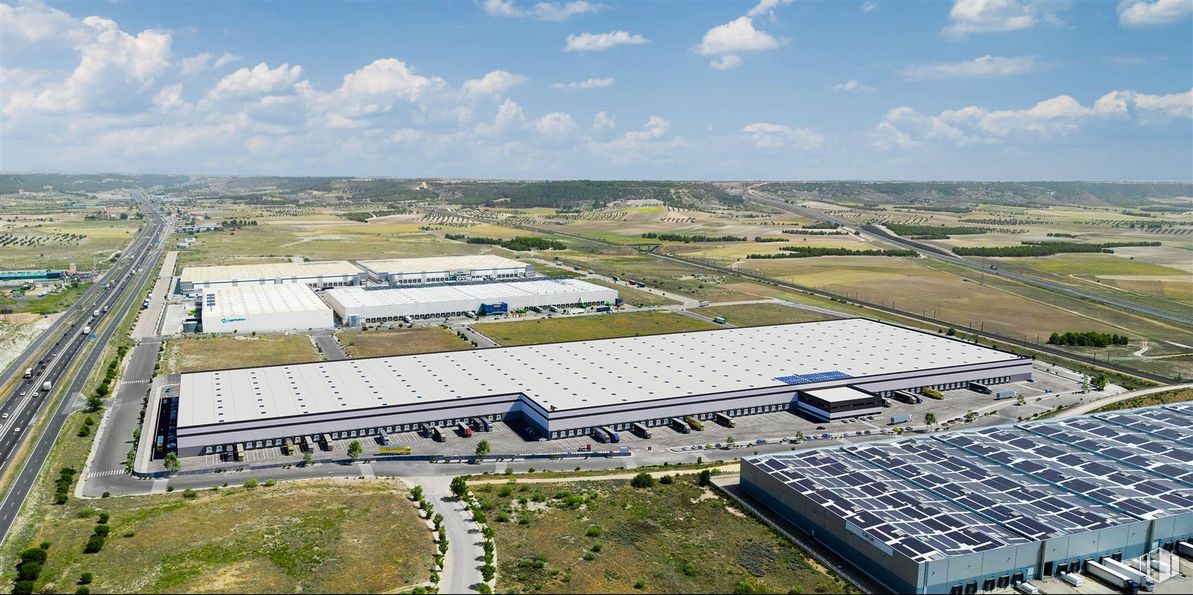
609 537
193 354
604 326
761 314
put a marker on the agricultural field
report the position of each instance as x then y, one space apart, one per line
609 537
317 536
761 314
193 354
55 241
407 341
669 276
578 328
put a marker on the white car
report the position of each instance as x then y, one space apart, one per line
5 416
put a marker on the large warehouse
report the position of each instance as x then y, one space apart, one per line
263 309
569 389
403 272
336 273
977 511
356 305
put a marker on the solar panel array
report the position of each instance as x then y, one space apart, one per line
963 492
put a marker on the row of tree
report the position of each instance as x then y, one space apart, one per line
1087 339
810 251
1045 248
678 237
520 243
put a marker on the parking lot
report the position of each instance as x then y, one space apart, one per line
1045 392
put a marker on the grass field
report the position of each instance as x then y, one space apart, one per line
309 537
635 297
1176 396
608 537
662 274
55 245
761 314
576 328
1097 265
193 354
399 341
48 304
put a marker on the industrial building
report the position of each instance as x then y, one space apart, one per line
356 305
981 510
337 273
570 389
404 272
827 404
263 309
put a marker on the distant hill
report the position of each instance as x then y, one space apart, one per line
1119 194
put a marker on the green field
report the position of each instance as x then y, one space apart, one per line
305 536
376 343
47 304
761 314
67 239
1164 398
192 354
1098 265
608 537
577 328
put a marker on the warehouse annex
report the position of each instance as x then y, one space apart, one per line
570 389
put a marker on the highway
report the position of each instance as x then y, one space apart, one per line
931 251
74 342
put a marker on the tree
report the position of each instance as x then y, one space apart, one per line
482 448
459 485
354 449
705 478
1099 382
799 436
930 418
307 460
1020 400
94 403
172 464
642 480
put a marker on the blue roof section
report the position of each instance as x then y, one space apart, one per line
813 377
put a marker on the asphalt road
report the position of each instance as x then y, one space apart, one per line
26 405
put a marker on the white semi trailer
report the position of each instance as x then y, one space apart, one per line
1144 581
1110 576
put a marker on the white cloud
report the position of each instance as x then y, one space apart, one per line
593 83
1049 119
509 114
766 8
995 16
765 135
543 11
555 124
493 84
869 6
596 42
649 142
170 98
655 128
738 35
200 62
1146 13
35 23
247 83
851 86
603 122
727 62
982 67
377 87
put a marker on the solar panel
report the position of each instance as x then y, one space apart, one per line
813 377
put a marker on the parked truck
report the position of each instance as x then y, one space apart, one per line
725 420
47 385
606 435
695 423
680 426
1072 578
978 387
641 430
464 430
1110 576
900 418
1144 581
481 424
907 397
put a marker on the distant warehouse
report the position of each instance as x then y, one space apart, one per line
570 389
263 309
357 305
319 275
403 272
983 510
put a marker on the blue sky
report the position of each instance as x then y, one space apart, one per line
971 89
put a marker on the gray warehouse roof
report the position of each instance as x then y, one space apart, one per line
958 492
564 376
274 298
269 270
441 263
359 297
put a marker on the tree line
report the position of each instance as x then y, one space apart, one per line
931 232
520 243
810 251
1087 339
1045 248
676 237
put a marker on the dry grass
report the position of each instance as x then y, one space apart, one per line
399 341
761 314
677 538
635 297
192 354
576 328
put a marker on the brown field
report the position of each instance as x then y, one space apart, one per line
577 328
635 297
399 341
192 354
761 314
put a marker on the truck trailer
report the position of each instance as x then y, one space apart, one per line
1110 577
641 430
680 426
1144 581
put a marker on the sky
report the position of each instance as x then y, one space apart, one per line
567 89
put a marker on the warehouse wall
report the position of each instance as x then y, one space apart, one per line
269 323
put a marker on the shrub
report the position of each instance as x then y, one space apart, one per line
666 480
95 543
22 587
639 584
28 571
189 494
103 518
86 578
642 480
705 478
103 530
83 590
593 531
36 554
250 483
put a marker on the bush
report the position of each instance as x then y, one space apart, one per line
593 531
666 480
35 554
705 478
83 590
596 547
189 494
250 483
639 584
103 518
103 530
22 588
86 578
95 543
28 571
642 480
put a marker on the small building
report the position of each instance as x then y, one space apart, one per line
356 305
405 272
263 309
319 275
827 404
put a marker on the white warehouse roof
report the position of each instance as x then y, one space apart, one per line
359 297
269 270
441 263
247 300
582 374
839 394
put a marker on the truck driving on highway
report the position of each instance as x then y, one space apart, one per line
47 385
86 331
28 372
